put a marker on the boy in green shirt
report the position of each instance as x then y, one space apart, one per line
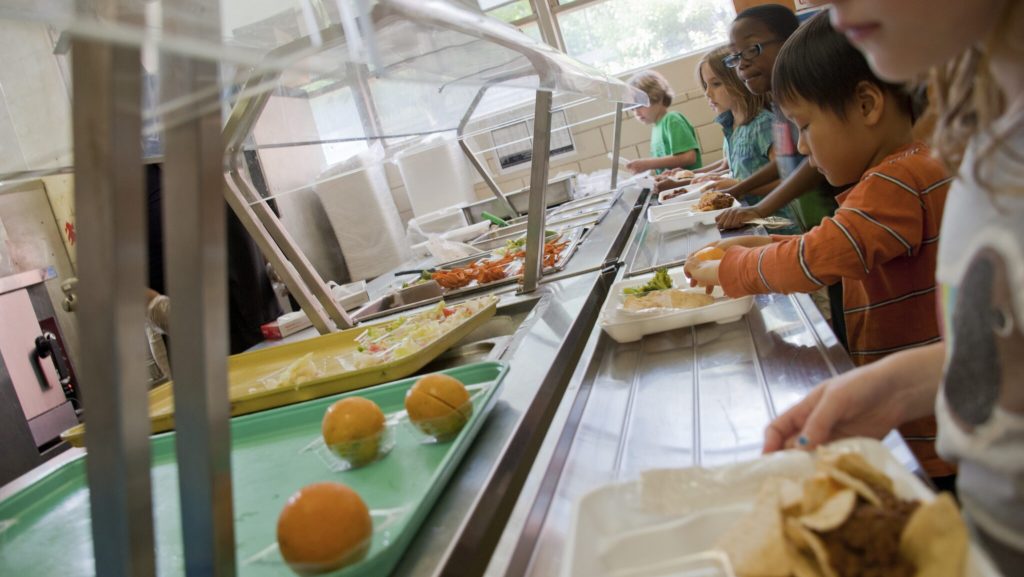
673 139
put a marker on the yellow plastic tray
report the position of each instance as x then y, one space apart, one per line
245 371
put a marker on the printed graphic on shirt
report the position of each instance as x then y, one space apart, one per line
988 344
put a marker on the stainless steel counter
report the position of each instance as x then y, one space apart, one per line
699 396
578 410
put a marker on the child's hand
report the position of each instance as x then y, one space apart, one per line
723 183
669 183
702 273
736 217
639 165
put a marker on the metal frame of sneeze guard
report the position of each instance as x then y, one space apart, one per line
544 63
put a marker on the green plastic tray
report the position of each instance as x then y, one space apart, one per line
268 465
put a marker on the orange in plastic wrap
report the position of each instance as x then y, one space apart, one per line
439 406
709 253
352 429
323 527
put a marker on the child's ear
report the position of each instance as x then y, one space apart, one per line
870 102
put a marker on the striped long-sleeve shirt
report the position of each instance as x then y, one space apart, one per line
881 244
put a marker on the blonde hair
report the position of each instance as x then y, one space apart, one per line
750 104
969 101
654 85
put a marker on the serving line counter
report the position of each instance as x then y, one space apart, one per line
696 396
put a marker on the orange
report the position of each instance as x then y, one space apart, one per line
352 429
323 527
709 253
439 406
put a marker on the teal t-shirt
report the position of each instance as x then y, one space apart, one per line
747 146
672 135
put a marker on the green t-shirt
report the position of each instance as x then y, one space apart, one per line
672 135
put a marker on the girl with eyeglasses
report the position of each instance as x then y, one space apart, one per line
972 381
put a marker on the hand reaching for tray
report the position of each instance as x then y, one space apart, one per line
736 217
868 401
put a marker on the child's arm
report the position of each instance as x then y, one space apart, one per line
804 178
681 160
878 221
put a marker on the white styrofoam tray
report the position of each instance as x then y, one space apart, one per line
668 521
683 193
627 327
681 216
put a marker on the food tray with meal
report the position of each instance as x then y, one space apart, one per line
683 193
274 454
849 505
343 361
503 265
685 215
662 301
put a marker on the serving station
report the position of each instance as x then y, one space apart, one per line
563 403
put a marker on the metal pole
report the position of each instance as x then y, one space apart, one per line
479 166
538 192
110 203
196 256
616 143
549 32
482 171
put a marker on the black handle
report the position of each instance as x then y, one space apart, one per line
47 346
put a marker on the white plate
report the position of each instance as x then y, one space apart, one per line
682 216
627 327
667 522
683 193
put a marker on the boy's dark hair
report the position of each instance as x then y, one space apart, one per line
819 65
781 21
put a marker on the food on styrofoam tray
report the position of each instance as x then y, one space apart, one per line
659 294
660 281
404 336
323 527
845 520
714 200
667 299
439 405
505 265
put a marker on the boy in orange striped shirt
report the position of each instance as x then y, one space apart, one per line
881 243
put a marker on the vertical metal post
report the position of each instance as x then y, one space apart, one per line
616 144
549 31
538 192
196 256
110 203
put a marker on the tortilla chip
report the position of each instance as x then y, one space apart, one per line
857 466
791 496
817 490
809 541
935 539
850 482
832 513
803 566
755 545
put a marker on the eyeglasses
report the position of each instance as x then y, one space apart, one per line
748 53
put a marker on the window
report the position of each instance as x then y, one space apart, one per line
621 35
514 143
